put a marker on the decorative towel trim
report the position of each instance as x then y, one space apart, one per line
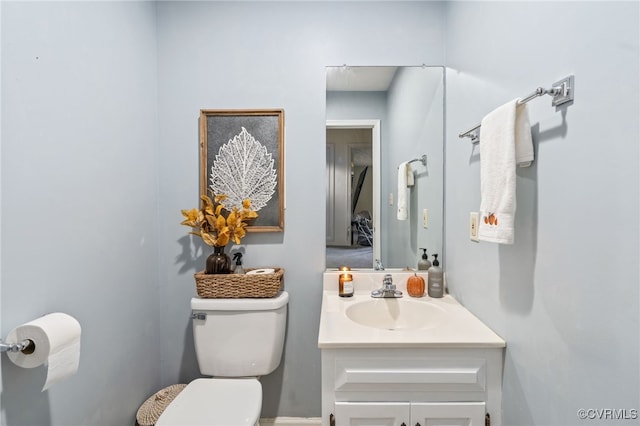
496 227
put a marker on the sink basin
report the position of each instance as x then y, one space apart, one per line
361 321
396 314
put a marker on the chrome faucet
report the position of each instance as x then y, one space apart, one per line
388 289
379 266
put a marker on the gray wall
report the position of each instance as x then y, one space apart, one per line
565 295
263 55
80 204
100 153
102 102
416 119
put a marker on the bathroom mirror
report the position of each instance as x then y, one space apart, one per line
378 118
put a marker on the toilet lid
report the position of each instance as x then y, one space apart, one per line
224 402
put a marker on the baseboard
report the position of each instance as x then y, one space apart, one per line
291 421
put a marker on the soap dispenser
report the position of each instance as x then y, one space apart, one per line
238 258
435 286
424 264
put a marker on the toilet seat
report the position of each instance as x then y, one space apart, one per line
222 402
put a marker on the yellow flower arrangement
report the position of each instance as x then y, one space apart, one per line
215 224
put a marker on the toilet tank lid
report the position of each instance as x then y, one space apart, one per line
253 304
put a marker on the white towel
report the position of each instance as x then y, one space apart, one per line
505 140
524 143
402 191
410 177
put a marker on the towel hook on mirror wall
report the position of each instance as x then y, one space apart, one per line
561 93
422 159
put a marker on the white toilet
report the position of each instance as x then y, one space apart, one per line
236 340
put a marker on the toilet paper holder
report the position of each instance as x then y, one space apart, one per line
26 346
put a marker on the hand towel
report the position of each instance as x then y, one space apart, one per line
524 143
505 140
402 191
410 177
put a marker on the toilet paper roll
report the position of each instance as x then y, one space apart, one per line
261 271
56 342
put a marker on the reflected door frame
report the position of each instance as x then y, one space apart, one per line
374 126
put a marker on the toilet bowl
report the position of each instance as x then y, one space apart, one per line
236 341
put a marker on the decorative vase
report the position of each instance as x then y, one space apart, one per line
218 262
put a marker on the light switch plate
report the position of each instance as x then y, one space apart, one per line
474 223
391 198
425 218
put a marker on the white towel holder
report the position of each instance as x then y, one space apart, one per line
562 92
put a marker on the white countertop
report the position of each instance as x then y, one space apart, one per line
459 329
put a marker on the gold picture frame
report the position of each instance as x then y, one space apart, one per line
242 156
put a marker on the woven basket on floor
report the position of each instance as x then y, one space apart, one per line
234 286
150 411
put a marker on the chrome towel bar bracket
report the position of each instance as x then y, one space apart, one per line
422 159
561 92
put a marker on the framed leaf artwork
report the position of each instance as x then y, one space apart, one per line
242 156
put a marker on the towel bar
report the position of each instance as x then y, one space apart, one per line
422 159
561 91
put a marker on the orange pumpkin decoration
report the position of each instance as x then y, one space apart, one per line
415 286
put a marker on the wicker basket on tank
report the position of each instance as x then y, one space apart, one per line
235 286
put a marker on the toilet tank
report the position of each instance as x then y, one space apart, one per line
239 337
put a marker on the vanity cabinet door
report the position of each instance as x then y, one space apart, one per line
372 413
448 413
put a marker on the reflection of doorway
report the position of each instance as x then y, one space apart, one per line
353 188
349 158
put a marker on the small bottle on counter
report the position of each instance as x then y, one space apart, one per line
424 264
238 268
435 286
345 282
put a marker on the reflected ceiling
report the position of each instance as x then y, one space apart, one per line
359 79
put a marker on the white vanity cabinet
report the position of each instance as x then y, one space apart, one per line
411 386
412 361
407 414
